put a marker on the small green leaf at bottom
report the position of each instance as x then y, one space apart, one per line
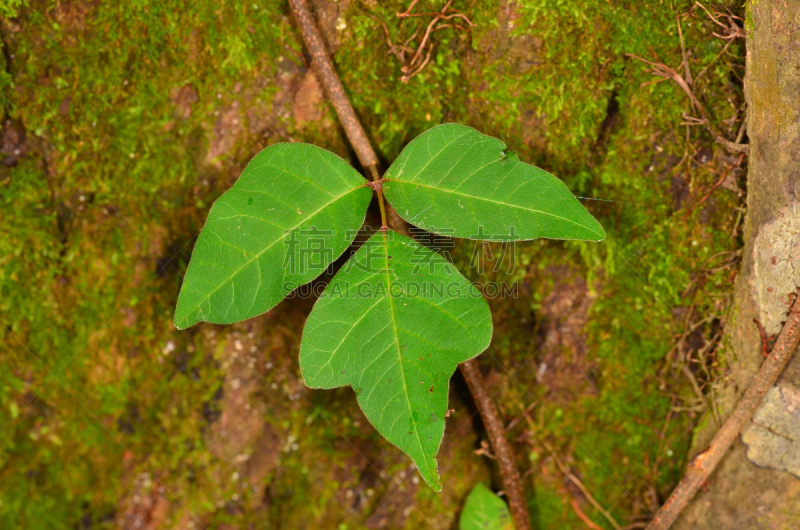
484 511
394 323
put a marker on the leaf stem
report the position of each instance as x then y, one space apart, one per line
377 185
384 221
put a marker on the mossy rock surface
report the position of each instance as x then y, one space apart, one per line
125 121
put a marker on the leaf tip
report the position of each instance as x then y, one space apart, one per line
600 231
431 477
434 483
594 231
181 320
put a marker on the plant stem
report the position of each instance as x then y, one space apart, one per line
384 221
703 464
377 185
323 66
502 450
321 62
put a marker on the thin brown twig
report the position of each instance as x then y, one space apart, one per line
407 11
323 67
366 155
695 385
716 185
665 72
704 464
684 55
732 32
417 64
765 339
689 328
398 50
582 516
712 17
425 38
418 70
512 483
575 480
742 129
441 15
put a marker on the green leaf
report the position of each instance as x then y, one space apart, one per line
394 323
484 511
453 180
294 209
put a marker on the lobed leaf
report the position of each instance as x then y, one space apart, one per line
394 323
484 511
456 181
294 210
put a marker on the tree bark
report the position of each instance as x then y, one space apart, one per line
755 484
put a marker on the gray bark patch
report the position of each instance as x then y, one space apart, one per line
776 256
773 437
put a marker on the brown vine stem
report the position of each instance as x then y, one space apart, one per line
704 464
323 67
502 450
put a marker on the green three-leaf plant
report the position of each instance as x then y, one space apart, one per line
397 319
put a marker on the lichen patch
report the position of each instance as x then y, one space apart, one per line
773 436
776 256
